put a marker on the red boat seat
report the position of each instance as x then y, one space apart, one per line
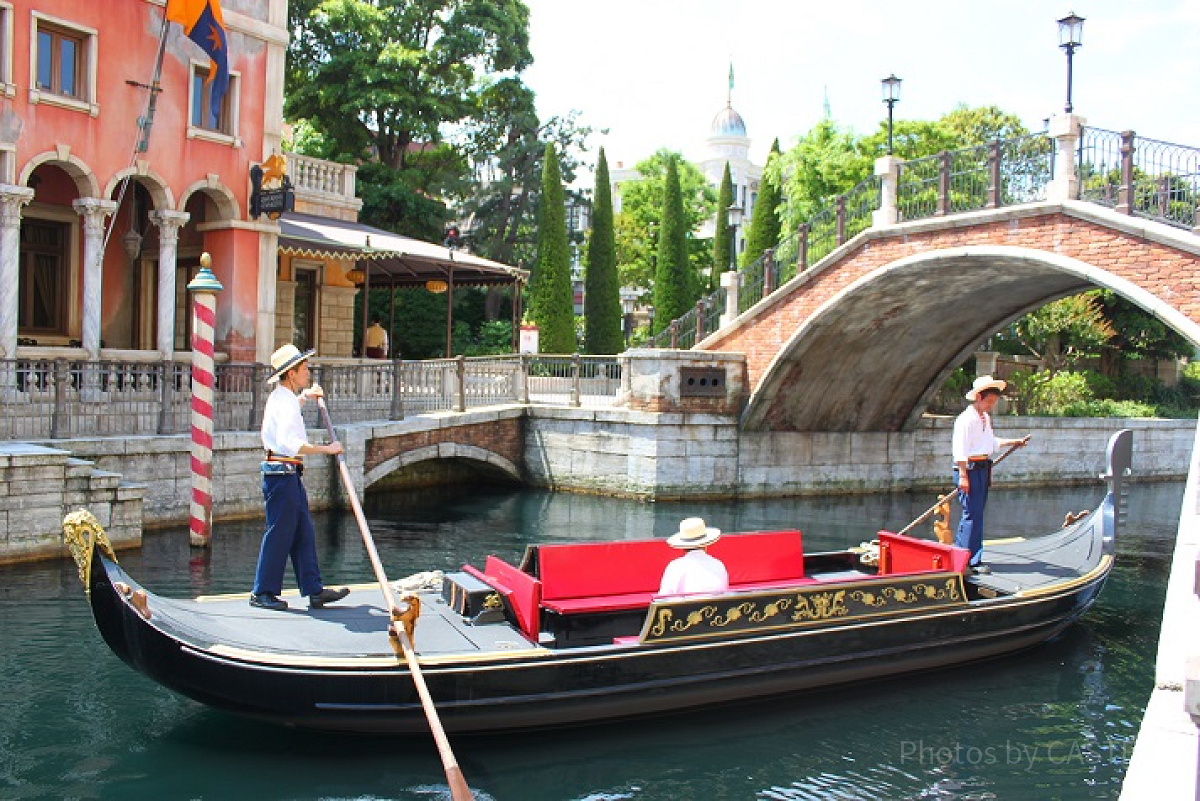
522 591
613 576
899 554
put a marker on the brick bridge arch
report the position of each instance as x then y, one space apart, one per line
862 341
492 439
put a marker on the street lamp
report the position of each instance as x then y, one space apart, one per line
1070 38
733 216
891 96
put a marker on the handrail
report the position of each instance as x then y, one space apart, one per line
43 398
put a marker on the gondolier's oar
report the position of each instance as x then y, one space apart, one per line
459 791
925 515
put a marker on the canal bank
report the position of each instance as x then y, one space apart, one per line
610 451
1166 756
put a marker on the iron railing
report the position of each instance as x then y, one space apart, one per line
1140 176
45 398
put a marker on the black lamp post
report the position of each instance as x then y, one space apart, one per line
733 216
1070 38
891 96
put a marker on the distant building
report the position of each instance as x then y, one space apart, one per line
727 142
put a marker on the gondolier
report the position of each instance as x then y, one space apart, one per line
972 447
289 526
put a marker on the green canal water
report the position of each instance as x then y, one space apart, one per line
1056 722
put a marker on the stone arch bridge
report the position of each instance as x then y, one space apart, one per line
863 338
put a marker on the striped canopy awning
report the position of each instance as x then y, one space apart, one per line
389 259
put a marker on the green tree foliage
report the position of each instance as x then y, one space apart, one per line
1065 331
551 298
1139 335
723 233
382 79
764 225
505 143
640 220
672 292
602 333
824 163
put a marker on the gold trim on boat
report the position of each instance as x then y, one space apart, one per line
83 533
748 613
1105 562
310 660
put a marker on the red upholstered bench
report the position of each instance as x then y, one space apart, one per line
522 591
899 554
614 576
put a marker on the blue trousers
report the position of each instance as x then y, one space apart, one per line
970 524
289 533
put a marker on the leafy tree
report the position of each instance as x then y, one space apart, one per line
764 225
723 234
505 142
671 281
551 298
1065 331
640 220
1139 335
382 79
824 163
602 291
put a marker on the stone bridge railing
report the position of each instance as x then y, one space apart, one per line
1136 176
58 398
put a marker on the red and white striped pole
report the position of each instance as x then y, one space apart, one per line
204 288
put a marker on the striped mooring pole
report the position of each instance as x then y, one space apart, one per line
204 288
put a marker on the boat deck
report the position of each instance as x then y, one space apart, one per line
355 629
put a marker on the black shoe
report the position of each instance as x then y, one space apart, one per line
326 596
981 570
265 600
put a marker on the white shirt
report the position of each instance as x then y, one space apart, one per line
694 572
973 436
283 426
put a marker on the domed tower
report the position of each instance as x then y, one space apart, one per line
727 142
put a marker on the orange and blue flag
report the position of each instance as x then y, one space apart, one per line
203 24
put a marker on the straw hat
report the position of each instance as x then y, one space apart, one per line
693 534
985 382
285 359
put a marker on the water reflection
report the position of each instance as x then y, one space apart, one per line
1053 722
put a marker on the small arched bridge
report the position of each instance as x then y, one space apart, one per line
863 338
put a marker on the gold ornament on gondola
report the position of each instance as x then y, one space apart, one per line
83 532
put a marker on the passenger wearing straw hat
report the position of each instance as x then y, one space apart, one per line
696 571
289 526
972 446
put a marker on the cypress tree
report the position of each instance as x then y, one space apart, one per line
722 236
602 331
670 277
551 299
764 224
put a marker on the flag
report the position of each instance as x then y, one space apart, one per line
203 24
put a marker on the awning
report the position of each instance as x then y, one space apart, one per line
388 259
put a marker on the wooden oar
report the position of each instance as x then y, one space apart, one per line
925 515
459 791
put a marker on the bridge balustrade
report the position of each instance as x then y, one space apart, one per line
1143 177
46 398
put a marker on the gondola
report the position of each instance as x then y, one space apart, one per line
574 634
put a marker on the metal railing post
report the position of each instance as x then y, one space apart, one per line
994 189
575 388
460 365
674 335
59 423
1125 192
802 248
397 410
768 271
699 320
258 377
840 236
943 201
166 395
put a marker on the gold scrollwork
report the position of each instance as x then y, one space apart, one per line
694 618
820 606
492 601
867 598
661 622
771 610
83 532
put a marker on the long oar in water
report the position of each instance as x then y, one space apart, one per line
459 791
944 499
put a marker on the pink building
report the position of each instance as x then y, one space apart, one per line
73 79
